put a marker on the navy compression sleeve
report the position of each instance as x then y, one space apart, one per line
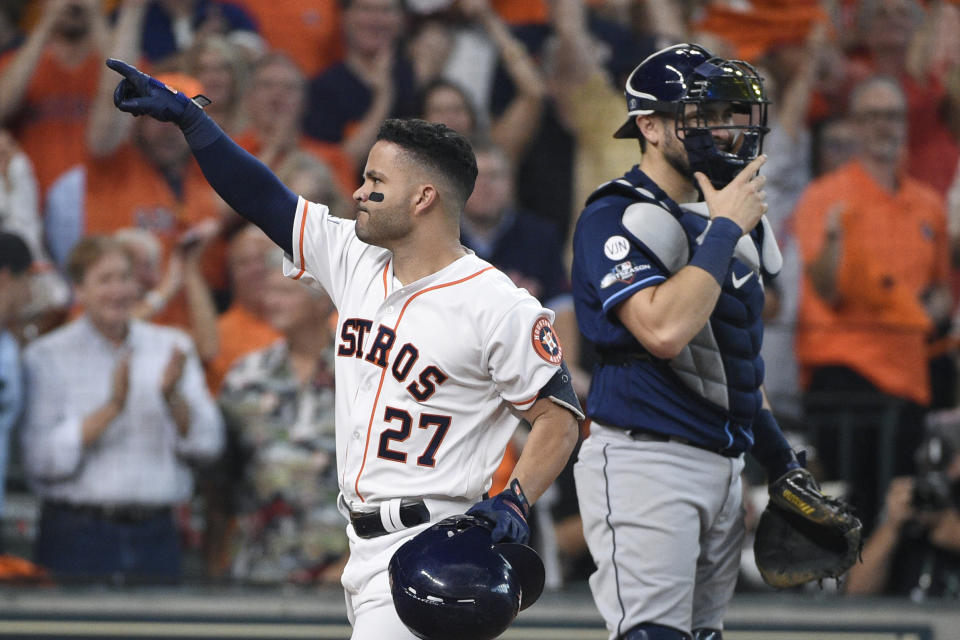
772 449
245 183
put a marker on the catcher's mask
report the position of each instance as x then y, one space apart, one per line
703 93
451 581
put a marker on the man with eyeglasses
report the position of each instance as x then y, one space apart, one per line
875 250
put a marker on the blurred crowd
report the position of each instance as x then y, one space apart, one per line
165 392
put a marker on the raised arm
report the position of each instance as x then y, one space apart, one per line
16 76
516 126
108 128
796 95
378 76
244 183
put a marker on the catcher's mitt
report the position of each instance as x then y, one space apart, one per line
804 535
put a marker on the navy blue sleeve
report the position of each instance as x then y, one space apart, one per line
771 448
615 266
245 183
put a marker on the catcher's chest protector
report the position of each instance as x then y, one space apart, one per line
722 362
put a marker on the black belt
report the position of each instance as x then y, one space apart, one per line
120 514
653 436
370 524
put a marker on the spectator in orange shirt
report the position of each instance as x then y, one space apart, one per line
899 38
308 31
243 327
138 173
874 244
47 85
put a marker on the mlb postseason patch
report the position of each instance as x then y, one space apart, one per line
545 342
616 247
623 272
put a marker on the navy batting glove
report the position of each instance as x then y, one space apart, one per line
508 512
141 94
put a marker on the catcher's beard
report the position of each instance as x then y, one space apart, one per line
676 156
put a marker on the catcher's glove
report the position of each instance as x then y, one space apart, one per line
804 535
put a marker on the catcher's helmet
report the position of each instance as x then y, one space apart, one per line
451 581
672 79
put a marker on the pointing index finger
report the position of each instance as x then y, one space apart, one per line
751 169
127 71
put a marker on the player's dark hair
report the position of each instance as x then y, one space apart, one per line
437 147
14 253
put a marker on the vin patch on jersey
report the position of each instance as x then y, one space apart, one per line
623 272
545 342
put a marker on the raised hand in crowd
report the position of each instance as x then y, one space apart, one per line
377 73
172 373
63 23
515 127
189 250
96 423
120 383
8 148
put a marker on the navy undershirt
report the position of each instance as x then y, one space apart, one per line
245 183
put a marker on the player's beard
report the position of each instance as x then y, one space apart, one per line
676 156
382 227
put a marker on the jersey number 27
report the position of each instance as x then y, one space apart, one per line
427 420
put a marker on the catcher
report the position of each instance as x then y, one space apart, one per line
669 265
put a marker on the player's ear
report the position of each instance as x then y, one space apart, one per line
650 129
425 196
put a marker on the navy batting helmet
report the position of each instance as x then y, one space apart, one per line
451 581
687 82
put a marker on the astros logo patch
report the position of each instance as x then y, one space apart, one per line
545 342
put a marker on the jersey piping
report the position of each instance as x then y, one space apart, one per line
303 225
383 374
386 268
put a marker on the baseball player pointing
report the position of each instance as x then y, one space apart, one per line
669 286
438 353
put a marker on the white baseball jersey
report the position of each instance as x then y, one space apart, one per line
427 373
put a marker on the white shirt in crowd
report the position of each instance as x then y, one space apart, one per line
140 459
